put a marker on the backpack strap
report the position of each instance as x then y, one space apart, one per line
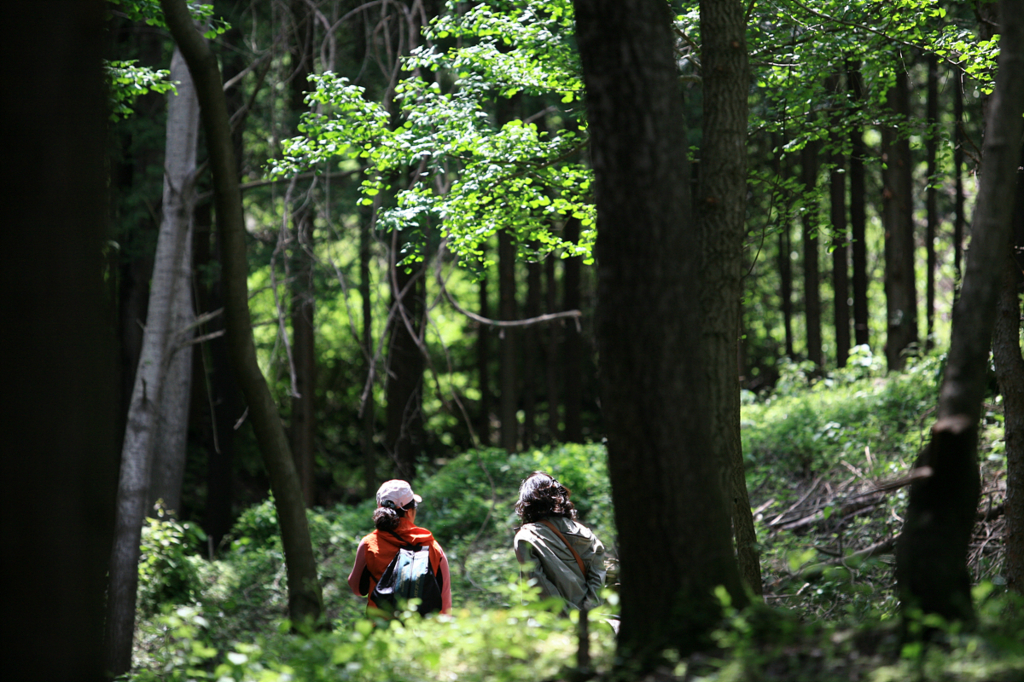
583 569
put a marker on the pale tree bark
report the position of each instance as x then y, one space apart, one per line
158 345
169 454
304 598
654 389
59 464
931 555
721 209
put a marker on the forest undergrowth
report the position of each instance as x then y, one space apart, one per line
827 462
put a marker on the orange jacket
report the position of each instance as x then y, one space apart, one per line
377 550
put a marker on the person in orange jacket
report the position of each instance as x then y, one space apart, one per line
395 521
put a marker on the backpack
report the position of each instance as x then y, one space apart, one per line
408 576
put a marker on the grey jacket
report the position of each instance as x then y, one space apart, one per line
554 566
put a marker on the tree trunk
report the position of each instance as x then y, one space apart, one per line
858 219
840 265
508 341
60 408
405 372
898 221
572 353
158 345
551 364
785 250
170 449
931 200
531 352
931 556
369 407
654 391
1009 364
303 426
809 221
304 598
722 191
959 214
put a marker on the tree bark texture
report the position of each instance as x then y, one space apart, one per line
304 597
858 219
405 372
959 213
898 221
931 200
840 252
572 349
369 407
170 449
721 211
551 364
1006 352
654 389
812 274
61 394
483 364
508 369
531 353
931 568
159 343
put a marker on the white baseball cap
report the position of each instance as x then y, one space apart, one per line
398 492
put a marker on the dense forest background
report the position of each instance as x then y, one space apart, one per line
417 251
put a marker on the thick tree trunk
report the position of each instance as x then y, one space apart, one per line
721 209
812 275
931 200
655 393
405 372
858 219
898 221
169 454
509 336
60 408
572 349
304 597
158 346
1009 364
931 556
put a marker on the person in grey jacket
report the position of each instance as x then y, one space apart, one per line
549 527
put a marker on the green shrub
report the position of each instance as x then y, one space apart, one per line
169 562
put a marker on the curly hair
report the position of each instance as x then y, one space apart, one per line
386 517
540 496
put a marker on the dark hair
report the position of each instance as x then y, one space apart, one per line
386 517
540 495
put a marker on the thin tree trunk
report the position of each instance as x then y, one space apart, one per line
959 213
531 352
508 370
898 221
304 598
157 354
785 249
483 364
551 364
655 395
369 422
809 222
721 220
840 265
931 555
572 349
931 200
858 218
